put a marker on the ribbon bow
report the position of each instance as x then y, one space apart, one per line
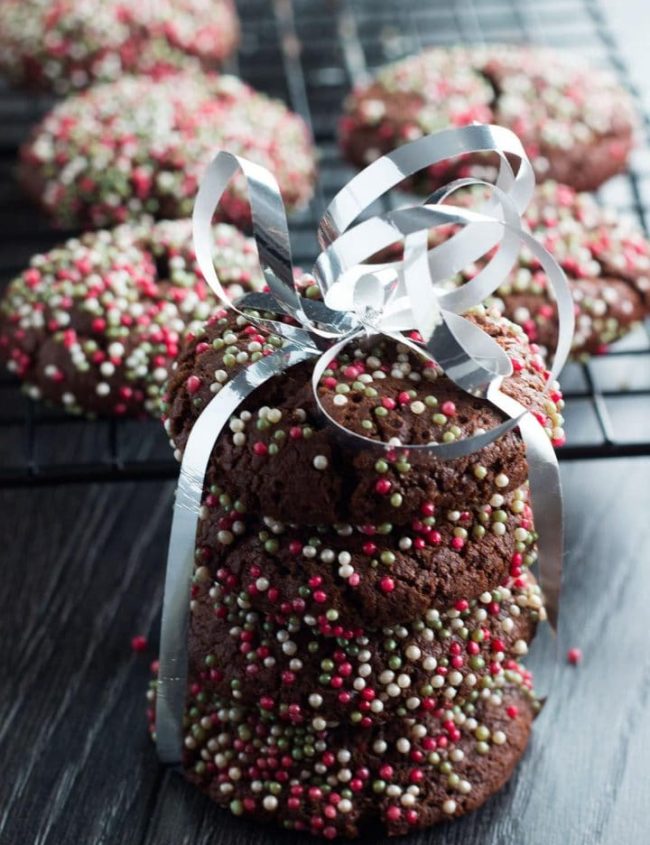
361 298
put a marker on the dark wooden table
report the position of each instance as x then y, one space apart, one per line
82 571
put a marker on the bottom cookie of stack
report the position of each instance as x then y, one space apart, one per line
273 766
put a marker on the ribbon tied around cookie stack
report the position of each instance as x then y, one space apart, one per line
403 300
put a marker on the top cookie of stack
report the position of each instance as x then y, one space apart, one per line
282 460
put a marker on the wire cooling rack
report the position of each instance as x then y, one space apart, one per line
309 53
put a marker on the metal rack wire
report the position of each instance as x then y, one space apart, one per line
310 52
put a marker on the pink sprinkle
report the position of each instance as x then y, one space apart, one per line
260 448
574 656
448 409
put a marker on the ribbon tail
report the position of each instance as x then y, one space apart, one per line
546 497
172 679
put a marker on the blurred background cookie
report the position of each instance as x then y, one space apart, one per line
140 145
605 256
575 121
68 44
95 324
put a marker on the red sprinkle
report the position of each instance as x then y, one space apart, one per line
574 656
383 486
193 384
387 584
139 643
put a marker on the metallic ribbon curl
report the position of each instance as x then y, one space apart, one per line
362 299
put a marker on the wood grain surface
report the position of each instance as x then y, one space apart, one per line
82 572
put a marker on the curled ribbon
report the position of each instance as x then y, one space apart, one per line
363 299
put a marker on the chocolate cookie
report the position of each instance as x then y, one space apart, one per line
338 781
575 122
606 259
371 676
69 44
279 458
139 145
95 324
607 262
369 576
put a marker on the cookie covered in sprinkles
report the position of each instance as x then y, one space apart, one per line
606 259
269 763
95 324
139 146
68 44
280 459
363 677
347 576
575 121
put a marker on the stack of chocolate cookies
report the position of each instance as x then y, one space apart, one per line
358 615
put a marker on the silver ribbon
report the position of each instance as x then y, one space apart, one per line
363 299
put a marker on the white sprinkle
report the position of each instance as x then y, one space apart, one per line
413 652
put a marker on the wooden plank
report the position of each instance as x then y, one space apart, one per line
82 573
